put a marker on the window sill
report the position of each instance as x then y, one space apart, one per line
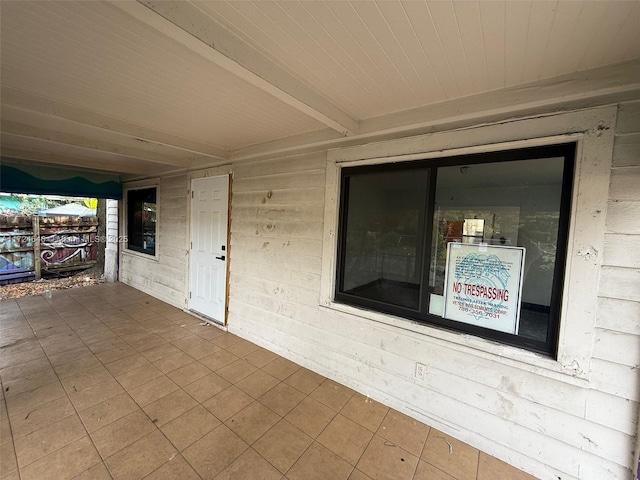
469 344
146 256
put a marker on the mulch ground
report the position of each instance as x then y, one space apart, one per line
19 290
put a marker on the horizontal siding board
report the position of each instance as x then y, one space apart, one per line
615 412
626 150
625 184
302 263
311 178
289 197
628 120
615 379
291 213
296 246
284 229
621 250
282 275
295 164
619 315
622 217
616 347
621 283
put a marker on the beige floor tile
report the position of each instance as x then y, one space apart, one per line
305 380
227 403
23 369
206 387
319 459
189 373
365 411
311 416
257 384
121 433
41 417
141 458
383 460
67 462
167 408
332 394
107 345
281 368
41 443
173 362
70 356
27 401
162 351
186 342
13 359
190 427
95 394
252 422
201 349
226 340
8 462
451 456
29 382
404 431
126 364
153 390
345 438
146 342
97 472
282 445
85 379
260 357
236 371
250 465
5 430
138 376
358 475
490 468
176 468
218 359
115 354
107 411
426 471
282 398
74 367
213 452
242 348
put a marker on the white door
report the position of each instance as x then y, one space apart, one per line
208 256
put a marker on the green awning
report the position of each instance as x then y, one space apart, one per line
46 180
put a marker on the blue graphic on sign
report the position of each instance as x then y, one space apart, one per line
481 280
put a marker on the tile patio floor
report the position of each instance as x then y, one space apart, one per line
107 382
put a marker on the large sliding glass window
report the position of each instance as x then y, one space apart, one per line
397 222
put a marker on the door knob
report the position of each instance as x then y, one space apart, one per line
221 258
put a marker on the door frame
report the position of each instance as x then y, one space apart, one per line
212 172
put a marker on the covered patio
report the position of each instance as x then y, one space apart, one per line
108 382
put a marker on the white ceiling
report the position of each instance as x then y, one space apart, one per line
145 87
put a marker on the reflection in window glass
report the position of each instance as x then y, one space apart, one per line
396 222
141 220
383 247
511 204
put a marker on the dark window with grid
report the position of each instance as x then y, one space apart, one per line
141 220
396 221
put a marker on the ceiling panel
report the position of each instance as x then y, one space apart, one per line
94 56
148 86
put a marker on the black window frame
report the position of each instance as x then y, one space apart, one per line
133 197
550 345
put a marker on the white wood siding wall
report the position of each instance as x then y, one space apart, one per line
165 276
551 428
112 242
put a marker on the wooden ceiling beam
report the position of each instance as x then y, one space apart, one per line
185 23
